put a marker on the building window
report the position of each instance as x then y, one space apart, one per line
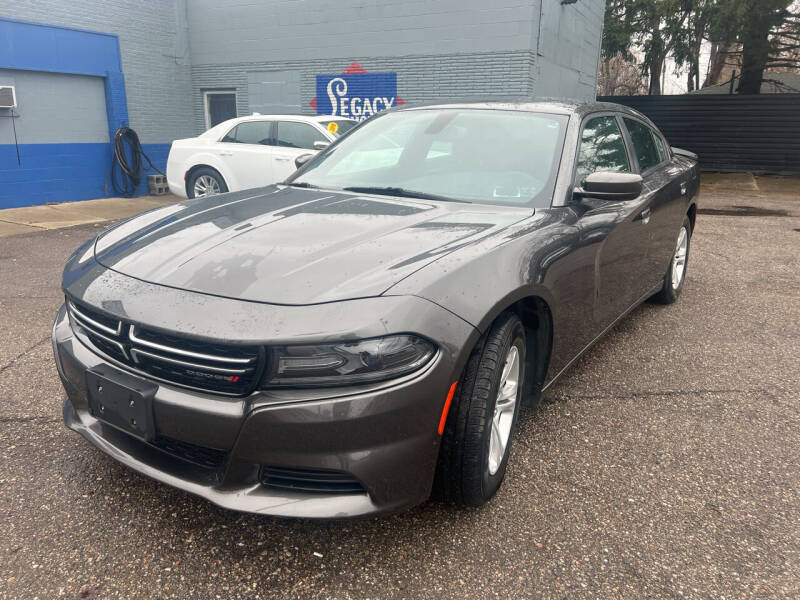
220 105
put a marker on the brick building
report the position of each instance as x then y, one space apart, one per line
171 68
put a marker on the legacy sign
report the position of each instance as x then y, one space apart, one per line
355 93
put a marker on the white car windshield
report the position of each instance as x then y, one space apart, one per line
471 155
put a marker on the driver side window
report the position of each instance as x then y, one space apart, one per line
602 148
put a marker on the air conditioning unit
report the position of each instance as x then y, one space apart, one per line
8 96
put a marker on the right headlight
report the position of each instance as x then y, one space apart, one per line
347 363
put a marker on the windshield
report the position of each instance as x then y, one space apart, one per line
339 127
471 155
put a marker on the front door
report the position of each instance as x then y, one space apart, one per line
619 230
293 139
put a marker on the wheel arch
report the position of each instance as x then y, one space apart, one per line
692 214
533 307
192 170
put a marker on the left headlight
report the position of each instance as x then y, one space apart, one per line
347 363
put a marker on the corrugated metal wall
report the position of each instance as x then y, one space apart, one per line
730 133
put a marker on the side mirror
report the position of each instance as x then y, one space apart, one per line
321 145
610 185
302 159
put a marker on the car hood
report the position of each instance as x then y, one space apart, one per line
288 245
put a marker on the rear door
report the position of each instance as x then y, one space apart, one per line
662 182
248 154
293 139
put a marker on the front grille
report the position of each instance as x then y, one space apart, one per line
210 458
208 366
315 481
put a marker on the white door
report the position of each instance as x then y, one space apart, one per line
294 139
247 152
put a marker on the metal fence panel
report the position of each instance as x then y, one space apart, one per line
730 133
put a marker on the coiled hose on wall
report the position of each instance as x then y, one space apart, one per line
126 165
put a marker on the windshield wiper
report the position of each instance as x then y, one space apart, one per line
401 192
303 184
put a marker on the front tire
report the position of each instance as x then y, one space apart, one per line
676 273
476 442
205 181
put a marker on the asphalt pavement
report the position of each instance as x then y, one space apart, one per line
666 464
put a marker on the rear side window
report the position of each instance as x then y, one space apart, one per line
298 135
602 148
644 145
250 132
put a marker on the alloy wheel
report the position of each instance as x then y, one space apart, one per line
503 417
679 260
205 185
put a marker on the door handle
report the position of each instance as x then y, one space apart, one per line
283 158
645 216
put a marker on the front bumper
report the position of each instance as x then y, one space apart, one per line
384 435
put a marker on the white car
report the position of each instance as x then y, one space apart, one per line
247 152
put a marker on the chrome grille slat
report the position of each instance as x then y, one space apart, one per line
214 367
108 340
136 352
137 340
92 323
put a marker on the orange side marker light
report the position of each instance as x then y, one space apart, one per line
446 408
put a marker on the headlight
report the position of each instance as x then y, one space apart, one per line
347 363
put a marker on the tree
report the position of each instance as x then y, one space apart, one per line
619 76
786 41
722 55
754 35
768 32
654 27
690 29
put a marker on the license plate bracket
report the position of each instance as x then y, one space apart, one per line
122 401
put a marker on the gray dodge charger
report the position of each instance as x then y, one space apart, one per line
364 334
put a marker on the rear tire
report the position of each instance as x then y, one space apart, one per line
676 273
476 442
208 179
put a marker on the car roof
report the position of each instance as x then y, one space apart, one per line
330 118
548 105
308 118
